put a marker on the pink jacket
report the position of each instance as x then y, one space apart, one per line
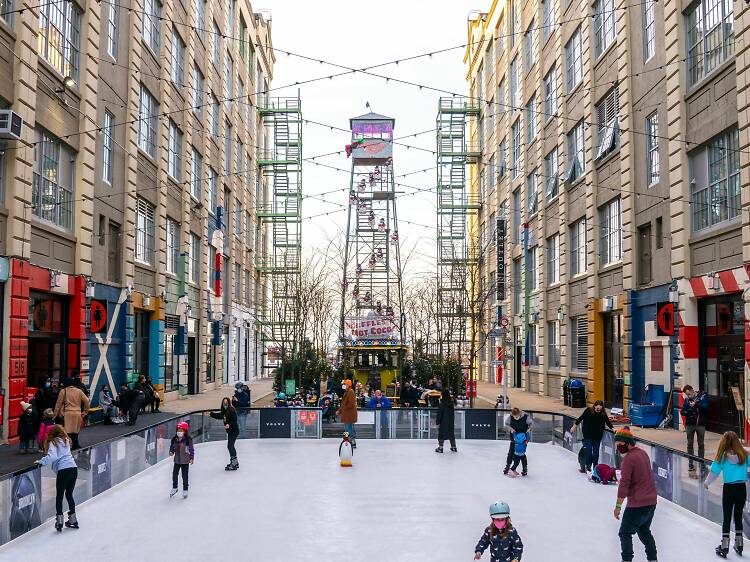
43 431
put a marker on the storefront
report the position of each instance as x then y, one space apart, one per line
48 339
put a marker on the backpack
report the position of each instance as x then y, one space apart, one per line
521 440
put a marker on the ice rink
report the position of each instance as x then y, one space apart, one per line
290 501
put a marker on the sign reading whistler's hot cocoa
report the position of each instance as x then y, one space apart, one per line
371 328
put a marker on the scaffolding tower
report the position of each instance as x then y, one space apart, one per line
457 207
372 324
279 213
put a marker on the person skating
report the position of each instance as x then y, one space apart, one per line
445 419
181 448
637 485
520 442
695 410
229 416
519 422
500 537
57 454
592 422
348 411
732 463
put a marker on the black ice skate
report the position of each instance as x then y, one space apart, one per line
505 470
454 449
439 450
233 464
723 549
72 522
59 523
738 543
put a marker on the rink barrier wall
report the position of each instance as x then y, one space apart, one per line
27 496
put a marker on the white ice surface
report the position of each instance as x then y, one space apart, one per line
290 501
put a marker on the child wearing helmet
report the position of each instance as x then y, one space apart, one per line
181 448
500 537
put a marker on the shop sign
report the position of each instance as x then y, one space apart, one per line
665 319
97 316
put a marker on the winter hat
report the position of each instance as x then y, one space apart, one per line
25 406
348 383
182 425
624 435
48 414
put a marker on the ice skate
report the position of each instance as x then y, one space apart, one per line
439 450
739 541
454 449
723 549
59 523
525 473
505 470
72 522
184 494
692 473
512 473
172 492
229 466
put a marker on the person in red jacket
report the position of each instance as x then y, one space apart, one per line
637 486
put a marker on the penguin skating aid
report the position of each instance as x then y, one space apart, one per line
345 451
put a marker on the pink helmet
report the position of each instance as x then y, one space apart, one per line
182 425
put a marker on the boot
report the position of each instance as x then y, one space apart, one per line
439 450
692 473
72 522
184 494
454 449
505 470
229 465
235 463
172 492
723 549
58 523
738 542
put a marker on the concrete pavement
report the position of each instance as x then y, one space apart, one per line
260 390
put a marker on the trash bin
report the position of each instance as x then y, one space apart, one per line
577 394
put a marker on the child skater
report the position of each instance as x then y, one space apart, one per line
500 537
732 463
57 453
184 453
519 454
48 422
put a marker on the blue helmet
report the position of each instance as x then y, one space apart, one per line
282 396
499 510
238 385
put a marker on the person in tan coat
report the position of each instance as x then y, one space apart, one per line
72 405
348 410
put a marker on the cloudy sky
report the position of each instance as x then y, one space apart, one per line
361 34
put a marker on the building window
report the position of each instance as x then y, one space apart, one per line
531 121
216 51
649 29
237 217
173 246
516 216
196 172
52 189
230 18
489 64
108 145
578 250
197 92
515 97
576 155
516 286
178 59
531 268
532 193
501 159
248 230
607 111
239 166
237 281
528 47
6 11
574 60
144 232
200 18
553 344
194 252
715 175
227 148
229 82
604 25
174 162
644 254
516 148
659 237
710 31
652 148
553 259
492 171
550 93
214 116
610 249
579 343
550 174
211 195
512 22
59 35
211 281
113 17
533 358
246 286
147 122
151 24
548 18
243 38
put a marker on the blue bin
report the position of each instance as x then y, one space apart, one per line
649 413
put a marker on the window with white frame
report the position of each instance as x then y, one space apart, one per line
227 149
710 37
194 262
196 174
532 193
113 19
579 343
515 135
52 188
607 123
108 145
248 229
516 286
173 246
147 122
578 249
501 159
610 247
214 116
576 154
517 211
501 100
6 11
553 344
177 59
246 286
574 60
548 18
529 53
216 51
550 175
489 64
211 195
530 117
715 179
240 151
652 148
550 92
200 18
499 40
553 259
649 29
59 35
512 22
237 217
230 18
197 93
533 358
145 230
212 271
492 172
237 281
174 159
604 25
152 24
532 268
515 96
229 81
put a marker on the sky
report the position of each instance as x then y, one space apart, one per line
358 34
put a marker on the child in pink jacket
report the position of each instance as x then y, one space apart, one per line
47 423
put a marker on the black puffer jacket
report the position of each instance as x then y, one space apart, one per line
229 417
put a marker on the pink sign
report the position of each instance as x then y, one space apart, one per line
371 328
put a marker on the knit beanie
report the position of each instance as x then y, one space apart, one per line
348 383
625 435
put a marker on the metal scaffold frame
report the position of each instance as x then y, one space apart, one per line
456 208
279 211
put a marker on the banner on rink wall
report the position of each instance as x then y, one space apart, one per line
275 422
568 438
101 469
480 424
607 451
151 456
661 465
26 498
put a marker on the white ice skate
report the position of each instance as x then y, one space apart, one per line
184 494
172 492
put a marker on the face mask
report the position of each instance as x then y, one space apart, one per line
180 434
622 448
598 409
499 523
343 387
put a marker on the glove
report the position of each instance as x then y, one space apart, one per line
38 462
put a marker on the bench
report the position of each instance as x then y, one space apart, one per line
95 415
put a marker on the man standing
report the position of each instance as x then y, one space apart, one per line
637 485
695 410
348 411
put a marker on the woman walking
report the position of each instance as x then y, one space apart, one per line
57 453
592 422
72 405
732 463
348 411
445 418
229 415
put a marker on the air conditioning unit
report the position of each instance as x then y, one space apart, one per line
10 125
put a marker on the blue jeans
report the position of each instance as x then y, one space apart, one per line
349 428
637 520
591 456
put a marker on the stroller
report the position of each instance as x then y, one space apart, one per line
329 406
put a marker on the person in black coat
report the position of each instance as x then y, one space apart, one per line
229 416
592 422
445 418
45 397
27 430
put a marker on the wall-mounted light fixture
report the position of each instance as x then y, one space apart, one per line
674 294
560 314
